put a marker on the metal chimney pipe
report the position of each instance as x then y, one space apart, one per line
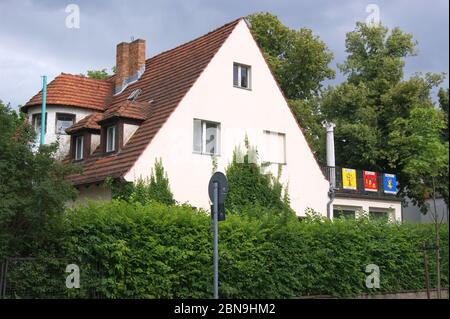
331 163
331 159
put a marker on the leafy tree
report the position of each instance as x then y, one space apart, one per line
375 104
250 186
300 62
156 189
376 56
356 133
33 189
418 153
443 105
423 161
298 58
310 118
98 74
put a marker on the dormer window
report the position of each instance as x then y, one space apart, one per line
241 76
111 139
79 146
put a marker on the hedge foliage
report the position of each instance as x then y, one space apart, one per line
155 251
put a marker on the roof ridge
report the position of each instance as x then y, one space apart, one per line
84 77
108 80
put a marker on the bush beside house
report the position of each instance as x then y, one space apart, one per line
127 250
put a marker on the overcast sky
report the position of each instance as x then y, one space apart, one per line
34 39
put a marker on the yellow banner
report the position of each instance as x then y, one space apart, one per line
349 178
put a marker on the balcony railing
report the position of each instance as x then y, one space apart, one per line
335 173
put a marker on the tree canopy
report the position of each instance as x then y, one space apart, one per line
25 221
298 58
384 122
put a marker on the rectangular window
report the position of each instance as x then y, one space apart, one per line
341 213
241 76
206 137
111 139
274 148
378 215
36 122
64 121
79 147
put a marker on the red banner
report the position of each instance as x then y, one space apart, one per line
370 181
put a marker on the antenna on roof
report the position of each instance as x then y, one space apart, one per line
133 96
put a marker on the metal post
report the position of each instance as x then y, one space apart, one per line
2 265
44 105
425 264
331 162
216 240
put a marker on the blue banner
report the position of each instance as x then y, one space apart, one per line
390 183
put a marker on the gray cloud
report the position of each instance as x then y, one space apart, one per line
34 40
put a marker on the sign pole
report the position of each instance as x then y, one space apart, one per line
216 240
217 191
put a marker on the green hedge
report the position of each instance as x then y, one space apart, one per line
155 251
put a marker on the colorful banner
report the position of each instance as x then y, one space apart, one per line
349 178
370 181
390 184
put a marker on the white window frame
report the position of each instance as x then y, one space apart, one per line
239 78
79 156
203 138
63 132
113 148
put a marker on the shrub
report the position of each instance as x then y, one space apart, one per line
33 189
156 188
129 250
249 186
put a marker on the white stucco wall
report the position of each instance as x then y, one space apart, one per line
239 111
50 135
367 205
95 142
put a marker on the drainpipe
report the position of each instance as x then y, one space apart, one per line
331 163
331 195
44 101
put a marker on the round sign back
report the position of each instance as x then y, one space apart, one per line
222 182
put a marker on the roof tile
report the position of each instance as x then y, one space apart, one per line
167 78
76 90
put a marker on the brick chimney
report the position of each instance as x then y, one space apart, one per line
130 63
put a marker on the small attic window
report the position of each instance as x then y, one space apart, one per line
241 76
134 95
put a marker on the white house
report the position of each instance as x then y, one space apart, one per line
190 106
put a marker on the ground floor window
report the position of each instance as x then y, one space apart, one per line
344 213
378 215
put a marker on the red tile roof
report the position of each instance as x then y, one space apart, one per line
88 122
128 109
167 78
76 90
